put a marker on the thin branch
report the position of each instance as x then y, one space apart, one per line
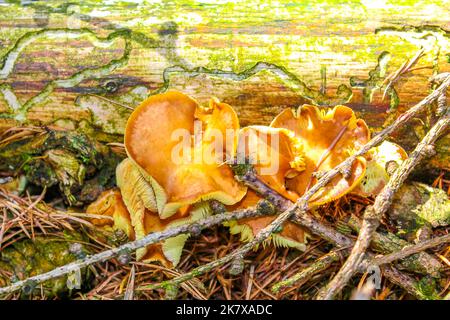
422 262
410 250
111 101
317 266
403 281
373 214
151 238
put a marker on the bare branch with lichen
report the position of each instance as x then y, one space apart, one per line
317 266
422 262
410 250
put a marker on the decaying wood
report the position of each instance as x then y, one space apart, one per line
257 61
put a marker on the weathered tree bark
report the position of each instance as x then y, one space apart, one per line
258 57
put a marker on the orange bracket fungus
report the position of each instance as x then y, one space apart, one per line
193 169
177 154
328 137
309 141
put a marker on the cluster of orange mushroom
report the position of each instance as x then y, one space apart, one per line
156 192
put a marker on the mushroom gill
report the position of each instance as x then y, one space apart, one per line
138 198
328 138
110 204
290 235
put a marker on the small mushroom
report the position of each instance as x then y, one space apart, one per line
110 204
186 172
376 175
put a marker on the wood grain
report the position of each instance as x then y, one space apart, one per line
208 49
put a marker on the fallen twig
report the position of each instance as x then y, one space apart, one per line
410 250
317 266
421 262
373 214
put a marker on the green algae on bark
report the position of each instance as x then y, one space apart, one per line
26 258
80 166
416 205
422 262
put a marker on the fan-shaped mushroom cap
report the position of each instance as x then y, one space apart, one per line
274 153
183 173
291 235
376 176
328 138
